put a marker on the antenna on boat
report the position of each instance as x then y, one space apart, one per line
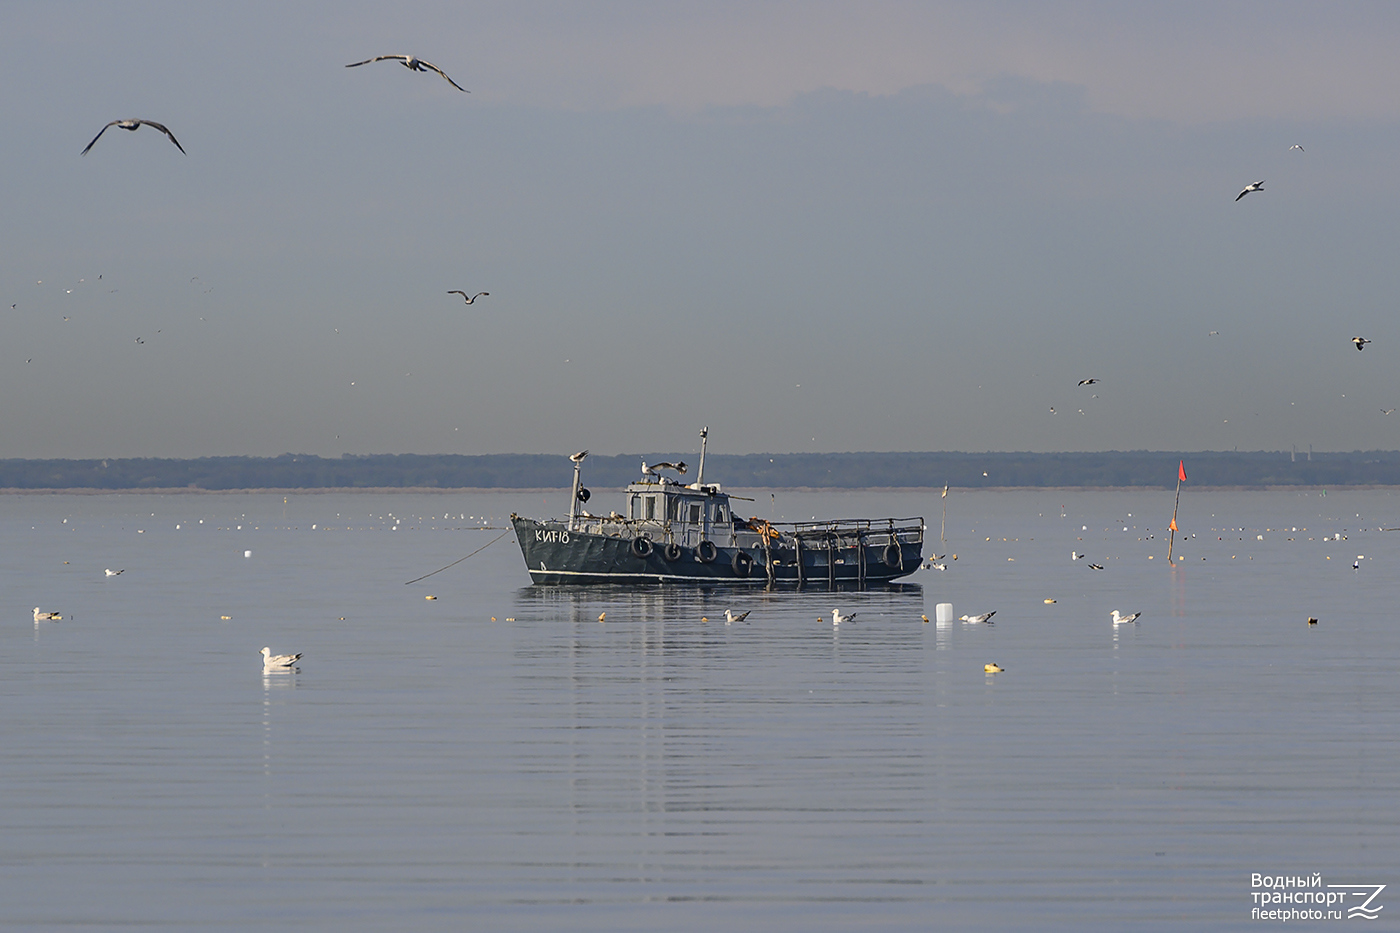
573 496
700 471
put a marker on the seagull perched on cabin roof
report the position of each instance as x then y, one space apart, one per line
1257 186
412 63
133 126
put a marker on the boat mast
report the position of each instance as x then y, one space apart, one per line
700 471
573 496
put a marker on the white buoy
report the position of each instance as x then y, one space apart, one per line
247 553
943 613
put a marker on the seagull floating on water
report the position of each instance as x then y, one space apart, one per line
730 616
1257 186
41 616
1096 566
114 573
271 661
458 291
993 668
1312 621
837 618
412 63
984 617
1360 342
602 617
1123 620
133 126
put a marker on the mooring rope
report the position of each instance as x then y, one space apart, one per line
456 562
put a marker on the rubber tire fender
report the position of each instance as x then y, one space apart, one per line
706 552
741 563
672 552
641 547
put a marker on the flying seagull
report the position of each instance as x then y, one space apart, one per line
1360 342
464 295
134 125
1296 146
271 661
1087 382
651 470
1386 411
412 63
1257 186
984 617
1122 619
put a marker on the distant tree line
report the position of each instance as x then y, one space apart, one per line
839 471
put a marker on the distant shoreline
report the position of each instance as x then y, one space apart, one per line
464 490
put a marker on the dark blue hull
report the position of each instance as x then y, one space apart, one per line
555 555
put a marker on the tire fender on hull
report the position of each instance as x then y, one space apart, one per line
706 552
741 564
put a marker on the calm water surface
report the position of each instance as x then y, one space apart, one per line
497 759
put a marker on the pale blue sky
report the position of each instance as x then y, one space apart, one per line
811 226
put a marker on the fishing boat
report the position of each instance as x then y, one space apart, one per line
689 533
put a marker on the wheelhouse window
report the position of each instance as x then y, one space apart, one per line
651 507
695 513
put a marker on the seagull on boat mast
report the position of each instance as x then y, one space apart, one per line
1360 342
1124 620
457 291
984 617
133 126
412 63
273 661
578 457
1257 186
